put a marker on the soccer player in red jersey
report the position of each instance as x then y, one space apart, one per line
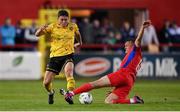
122 80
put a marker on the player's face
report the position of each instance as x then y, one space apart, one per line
63 20
128 46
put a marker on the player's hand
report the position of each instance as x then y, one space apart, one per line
76 45
42 28
40 31
146 23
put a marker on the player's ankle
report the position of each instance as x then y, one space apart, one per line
71 92
71 84
132 101
51 92
137 100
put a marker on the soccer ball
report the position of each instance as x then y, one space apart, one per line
85 98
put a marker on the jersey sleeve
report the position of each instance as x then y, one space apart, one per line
76 29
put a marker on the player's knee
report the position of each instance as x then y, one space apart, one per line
46 82
107 101
68 69
69 72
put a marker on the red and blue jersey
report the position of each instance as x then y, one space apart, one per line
132 60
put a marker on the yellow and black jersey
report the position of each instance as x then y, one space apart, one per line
61 38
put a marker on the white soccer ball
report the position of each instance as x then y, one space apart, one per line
85 98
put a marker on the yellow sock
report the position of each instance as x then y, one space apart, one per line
70 83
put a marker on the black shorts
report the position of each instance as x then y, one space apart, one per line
57 63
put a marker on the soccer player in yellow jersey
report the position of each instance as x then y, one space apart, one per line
62 35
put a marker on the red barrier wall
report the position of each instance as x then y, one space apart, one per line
17 9
159 9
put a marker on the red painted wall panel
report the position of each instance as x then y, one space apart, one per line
17 9
159 9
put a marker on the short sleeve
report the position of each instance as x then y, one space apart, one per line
76 27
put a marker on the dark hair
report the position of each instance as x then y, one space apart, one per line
130 39
63 13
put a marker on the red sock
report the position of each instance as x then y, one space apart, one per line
84 88
122 101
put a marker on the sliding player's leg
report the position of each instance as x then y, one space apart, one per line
119 95
123 83
102 82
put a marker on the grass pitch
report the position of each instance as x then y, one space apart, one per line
30 95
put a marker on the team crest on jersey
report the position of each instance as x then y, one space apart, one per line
71 28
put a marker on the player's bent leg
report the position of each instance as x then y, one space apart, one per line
109 99
68 69
102 82
49 76
119 96
115 99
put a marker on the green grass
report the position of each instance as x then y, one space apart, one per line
30 95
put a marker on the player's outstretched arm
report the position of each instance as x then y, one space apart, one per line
140 34
41 30
78 38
